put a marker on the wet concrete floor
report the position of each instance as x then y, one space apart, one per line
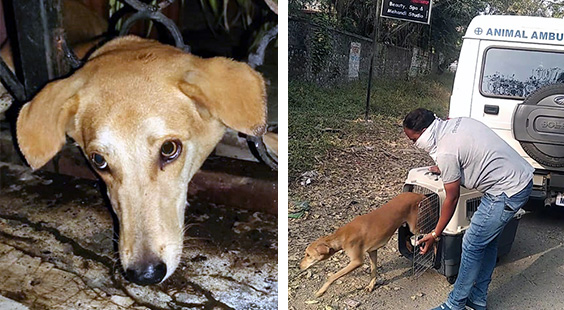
57 251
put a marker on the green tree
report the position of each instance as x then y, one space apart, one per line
449 20
545 8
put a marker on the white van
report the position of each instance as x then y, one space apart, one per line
509 76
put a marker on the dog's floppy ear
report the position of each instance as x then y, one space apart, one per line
323 249
231 91
42 122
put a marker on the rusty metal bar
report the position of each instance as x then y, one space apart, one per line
11 82
37 42
33 46
153 12
257 58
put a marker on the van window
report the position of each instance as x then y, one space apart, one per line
517 73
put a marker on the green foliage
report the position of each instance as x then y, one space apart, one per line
357 15
255 16
315 114
310 110
321 43
227 13
300 210
545 8
449 19
296 7
396 98
353 16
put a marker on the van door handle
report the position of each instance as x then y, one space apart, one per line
491 109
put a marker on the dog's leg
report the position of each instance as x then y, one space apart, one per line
373 270
355 263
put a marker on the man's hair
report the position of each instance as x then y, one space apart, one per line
418 119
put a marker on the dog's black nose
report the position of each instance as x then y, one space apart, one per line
146 273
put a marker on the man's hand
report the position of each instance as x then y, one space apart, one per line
435 170
428 240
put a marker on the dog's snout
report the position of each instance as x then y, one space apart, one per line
147 273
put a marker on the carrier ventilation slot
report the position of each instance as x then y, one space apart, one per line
427 219
472 206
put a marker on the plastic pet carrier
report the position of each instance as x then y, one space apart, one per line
446 258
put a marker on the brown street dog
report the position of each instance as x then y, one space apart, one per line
365 233
146 115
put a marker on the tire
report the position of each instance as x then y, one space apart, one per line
538 125
540 157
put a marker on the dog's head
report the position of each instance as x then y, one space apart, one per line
317 251
146 115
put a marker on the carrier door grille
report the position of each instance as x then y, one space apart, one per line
420 190
427 219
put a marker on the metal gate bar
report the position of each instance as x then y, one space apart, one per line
35 27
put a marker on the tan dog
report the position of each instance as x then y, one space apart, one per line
146 115
365 233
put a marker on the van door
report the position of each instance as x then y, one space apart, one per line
509 72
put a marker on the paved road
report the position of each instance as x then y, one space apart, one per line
532 275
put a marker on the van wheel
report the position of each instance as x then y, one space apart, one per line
538 125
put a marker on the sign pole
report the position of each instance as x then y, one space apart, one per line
374 55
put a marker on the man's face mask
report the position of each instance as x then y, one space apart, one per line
427 141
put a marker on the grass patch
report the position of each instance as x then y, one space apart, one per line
314 112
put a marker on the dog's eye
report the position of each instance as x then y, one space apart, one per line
99 161
170 150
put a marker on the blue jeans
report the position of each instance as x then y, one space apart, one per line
479 247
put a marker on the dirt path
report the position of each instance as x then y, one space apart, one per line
365 171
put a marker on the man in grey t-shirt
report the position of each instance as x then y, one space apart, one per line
470 154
